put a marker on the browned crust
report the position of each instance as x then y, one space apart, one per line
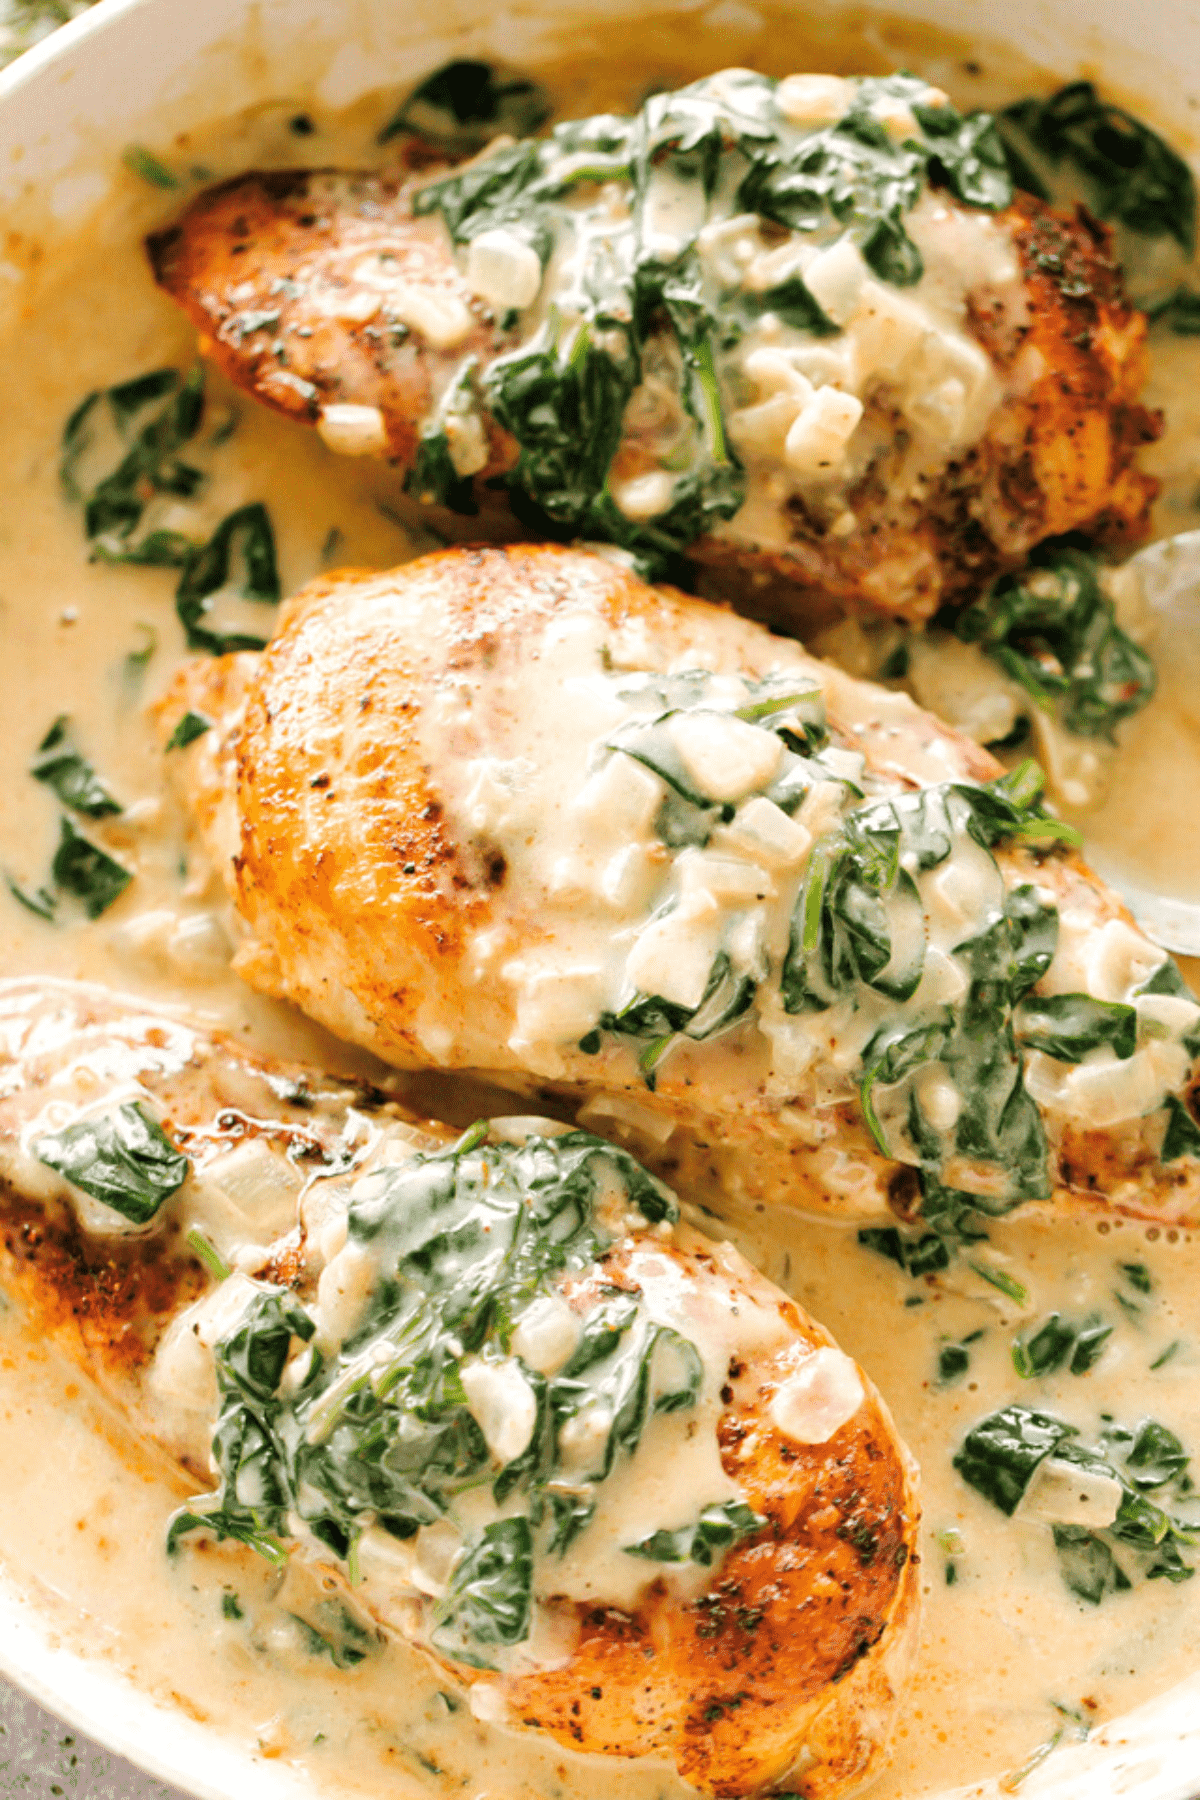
106 1300
261 247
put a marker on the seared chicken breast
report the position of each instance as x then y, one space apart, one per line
803 330
492 1390
514 810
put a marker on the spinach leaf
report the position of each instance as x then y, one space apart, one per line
1180 312
88 873
1071 1026
1000 1456
192 725
43 902
1087 1564
1129 174
490 1596
727 997
1046 1350
122 1158
148 167
150 466
1089 1346
1182 1136
895 1051
856 173
1052 629
718 1528
852 901
916 1255
1058 1341
345 1640
150 463
1156 1456
954 1360
246 532
433 478
71 776
465 103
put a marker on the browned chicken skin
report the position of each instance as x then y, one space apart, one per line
268 267
785 1667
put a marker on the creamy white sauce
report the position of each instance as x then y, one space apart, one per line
1001 1645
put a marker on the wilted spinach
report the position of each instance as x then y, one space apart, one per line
123 1158
381 1434
1001 1454
149 467
1052 629
563 394
68 772
1129 175
465 103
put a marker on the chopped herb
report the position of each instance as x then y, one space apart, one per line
71 776
1138 1276
231 1606
190 727
142 162
1052 629
121 1158
206 1252
1164 1356
88 873
718 1528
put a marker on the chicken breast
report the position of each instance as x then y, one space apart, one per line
514 810
664 332
587 1460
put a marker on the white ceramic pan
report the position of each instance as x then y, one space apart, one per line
142 70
